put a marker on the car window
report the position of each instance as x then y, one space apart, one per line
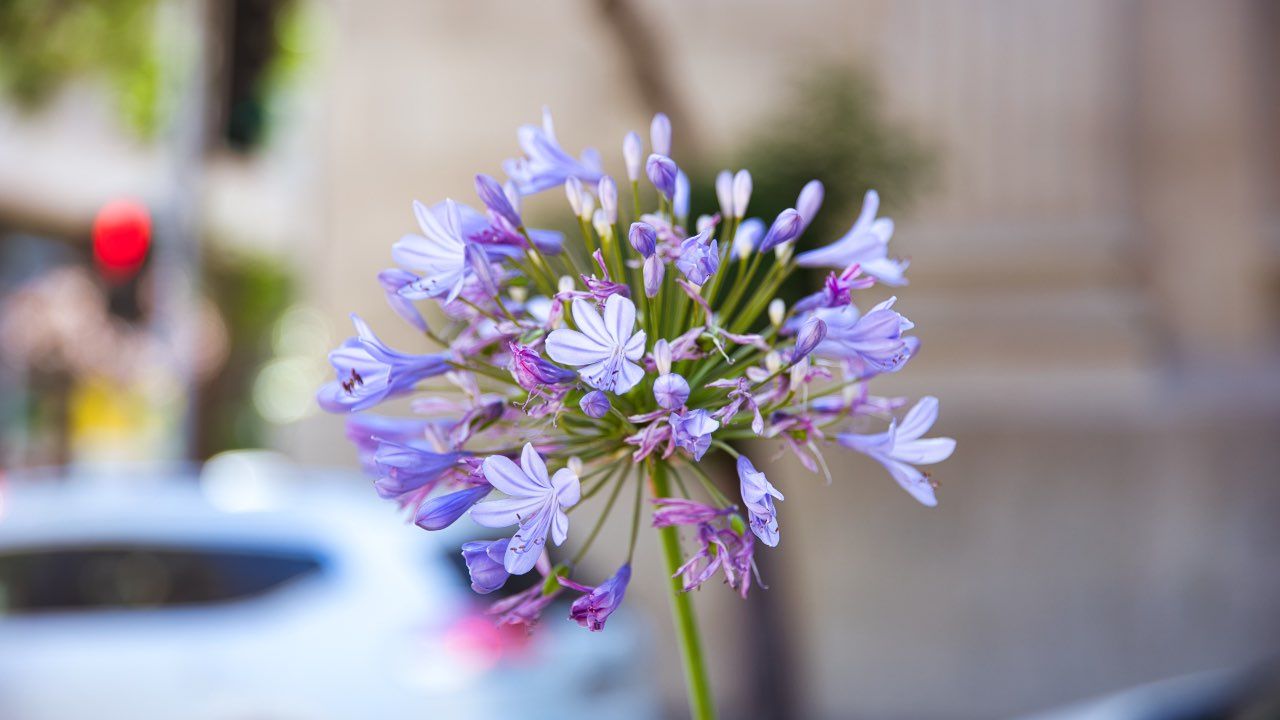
144 576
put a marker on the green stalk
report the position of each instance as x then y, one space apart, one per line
701 706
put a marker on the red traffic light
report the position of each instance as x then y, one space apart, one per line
121 238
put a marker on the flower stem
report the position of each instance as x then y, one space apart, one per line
701 706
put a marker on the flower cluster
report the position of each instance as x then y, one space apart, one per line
623 358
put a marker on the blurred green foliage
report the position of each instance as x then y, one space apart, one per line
45 43
251 291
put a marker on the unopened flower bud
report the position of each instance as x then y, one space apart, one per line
493 197
588 205
773 362
566 284
633 154
575 465
662 356
654 269
513 195
573 191
785 228
595 404
813 332
680 201
783 253
724 193
670 391
643 237
809 202
704 223
662 172
747 237
777 311
518 293
608 191
741 193
600 221
799 371
660 134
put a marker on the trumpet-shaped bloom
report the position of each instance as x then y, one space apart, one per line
598 603
369 372
532 372
440 512
875 339
484 564
605 350
900 448
405 468
439 253
692 431
535 501
758 495
545 164
866 243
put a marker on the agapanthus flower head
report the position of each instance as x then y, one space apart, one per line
566 367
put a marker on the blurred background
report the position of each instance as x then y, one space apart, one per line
195 193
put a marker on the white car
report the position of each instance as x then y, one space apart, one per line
269 594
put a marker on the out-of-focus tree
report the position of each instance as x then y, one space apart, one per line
44 44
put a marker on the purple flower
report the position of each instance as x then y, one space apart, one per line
720 548
484 564
595 404
786 227
900 448
439 253
494 198
662 172
404 469
524 608
741 193
670 390
367 431
604 350
660 134
692 431
369 372
545 164
536 502
837 290
758 495
866 243
747 237
440 512
654 270
809 202
608 192
643 237
533 372
699 259
393 281
680 197
633 154
678 511
874 339
811 334
724 192
598 603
